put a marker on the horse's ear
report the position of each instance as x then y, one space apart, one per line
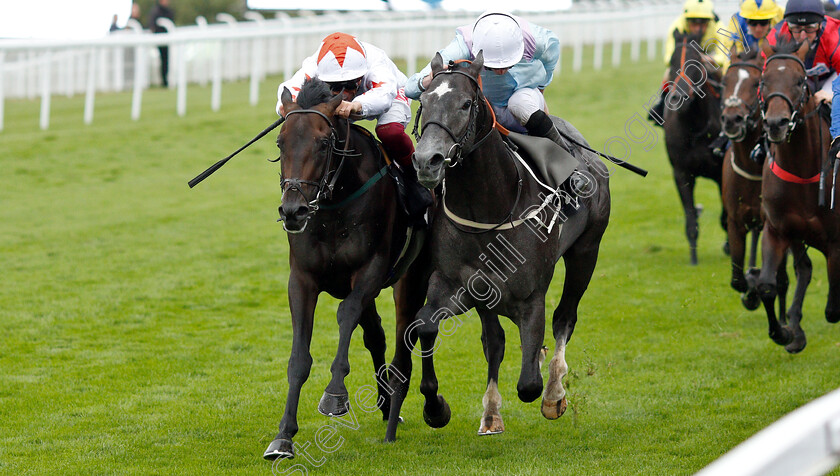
803 49
286 98
333 103
766 48
733 52
437 64
477 64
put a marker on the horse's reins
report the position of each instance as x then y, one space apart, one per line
804 96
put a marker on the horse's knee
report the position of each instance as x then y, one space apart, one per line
767 291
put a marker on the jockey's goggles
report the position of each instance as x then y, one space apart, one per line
350 85
809 28
698 21
758 22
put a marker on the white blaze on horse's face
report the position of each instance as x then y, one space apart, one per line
780 68
441 90
742 75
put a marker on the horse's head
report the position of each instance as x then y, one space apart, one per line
740 94
687 70
451 104
306 144
784 88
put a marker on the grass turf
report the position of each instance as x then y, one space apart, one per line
145 327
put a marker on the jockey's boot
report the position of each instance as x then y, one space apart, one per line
415 197
719 145
540 124
656 114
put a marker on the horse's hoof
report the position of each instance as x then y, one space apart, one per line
750 300
553 410
333 405
279 448
739 285
491 425
437 419
784 337
832 317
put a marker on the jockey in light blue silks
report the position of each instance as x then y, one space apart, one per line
519 62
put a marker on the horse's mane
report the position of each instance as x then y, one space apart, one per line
313 92
748 55
786 46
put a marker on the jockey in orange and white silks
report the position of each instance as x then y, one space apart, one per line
519 62
372 85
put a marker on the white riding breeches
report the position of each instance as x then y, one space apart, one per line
522 103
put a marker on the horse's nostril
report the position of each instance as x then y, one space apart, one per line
301 212
436 159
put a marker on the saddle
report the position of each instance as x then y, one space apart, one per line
554 166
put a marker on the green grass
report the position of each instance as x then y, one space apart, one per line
145 326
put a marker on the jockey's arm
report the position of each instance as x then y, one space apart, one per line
418 82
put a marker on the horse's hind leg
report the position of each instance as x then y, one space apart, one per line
409 295
802 266
493 341
580 263
685 187
374 337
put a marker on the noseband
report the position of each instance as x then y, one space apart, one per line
796 109
324 187
457 151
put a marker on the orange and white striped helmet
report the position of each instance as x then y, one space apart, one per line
341 58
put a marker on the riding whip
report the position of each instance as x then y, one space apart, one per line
612 159
219 164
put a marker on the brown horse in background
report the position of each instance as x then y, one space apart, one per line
796 208
741 180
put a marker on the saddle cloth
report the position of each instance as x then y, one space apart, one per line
553 163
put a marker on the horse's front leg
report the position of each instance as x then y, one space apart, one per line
531 335
493 341
303 295
374 337
750 298
685 187
832 261
773 248
367 284
802 267
737 235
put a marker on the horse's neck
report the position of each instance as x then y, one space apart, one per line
803 153
485 182
743 149
361 163
700 116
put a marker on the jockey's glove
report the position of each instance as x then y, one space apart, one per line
834 149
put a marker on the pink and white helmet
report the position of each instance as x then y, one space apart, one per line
499 35
341 58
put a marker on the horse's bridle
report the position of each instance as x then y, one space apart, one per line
796 116
324 187
735 101
457 151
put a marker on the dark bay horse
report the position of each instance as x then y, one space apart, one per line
345 233
795 206
692 122
741 179
494 247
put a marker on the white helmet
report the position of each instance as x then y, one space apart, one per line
341 58
500 37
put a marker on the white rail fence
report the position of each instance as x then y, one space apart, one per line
229 50
805 442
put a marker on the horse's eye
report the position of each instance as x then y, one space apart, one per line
467 105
